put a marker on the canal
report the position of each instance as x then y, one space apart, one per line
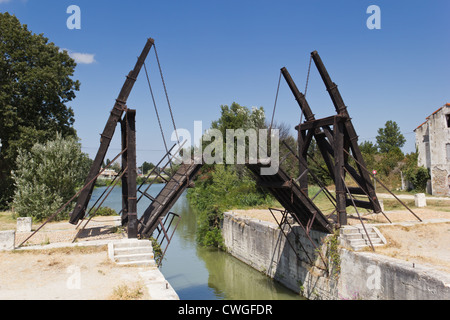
198 273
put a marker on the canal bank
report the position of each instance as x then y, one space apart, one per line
328 272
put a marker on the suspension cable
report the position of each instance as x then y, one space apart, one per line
167 95
307 83
275 104
307 77
156 109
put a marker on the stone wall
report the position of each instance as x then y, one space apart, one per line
433 144
440 181
263 246
297 264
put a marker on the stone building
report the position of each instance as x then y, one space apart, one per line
433 144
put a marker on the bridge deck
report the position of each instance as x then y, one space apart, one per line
288 193
165 200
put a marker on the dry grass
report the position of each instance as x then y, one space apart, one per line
125 292
63 251
7 221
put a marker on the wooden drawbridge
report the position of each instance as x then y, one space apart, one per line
164 201
292 198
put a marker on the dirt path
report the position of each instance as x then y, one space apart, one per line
65 274
419 243
71 273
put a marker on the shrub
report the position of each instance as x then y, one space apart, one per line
217 191
418 176
48 176
106 211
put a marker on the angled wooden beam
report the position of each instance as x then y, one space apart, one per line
107 135
352 138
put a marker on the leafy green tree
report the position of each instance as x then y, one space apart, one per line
390 137
368 147
369 151
418 176
239 117
221 187
236 117
146 167
389 161
219 190
48 176
36 84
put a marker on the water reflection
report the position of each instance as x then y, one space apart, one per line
198 273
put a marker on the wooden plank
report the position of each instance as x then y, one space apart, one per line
314 124
360 204
356 190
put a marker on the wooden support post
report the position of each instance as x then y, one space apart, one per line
341 204
303 145
132 173
125 175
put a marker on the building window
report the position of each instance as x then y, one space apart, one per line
447 117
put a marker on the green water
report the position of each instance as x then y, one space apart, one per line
198 273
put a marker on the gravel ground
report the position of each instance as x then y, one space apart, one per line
100 228
70 273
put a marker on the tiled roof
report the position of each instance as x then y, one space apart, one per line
446 105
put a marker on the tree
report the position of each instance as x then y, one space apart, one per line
237 117
418 176
390 161
36 84
220 187
146 167
48 176
368 151
390 137
368 147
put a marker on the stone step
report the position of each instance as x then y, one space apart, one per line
132 244
363 235
140 263
133 257
357 242
363 246
356 238
132 250
354 230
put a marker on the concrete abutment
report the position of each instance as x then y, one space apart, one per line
350 274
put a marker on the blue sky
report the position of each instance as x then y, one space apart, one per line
217 52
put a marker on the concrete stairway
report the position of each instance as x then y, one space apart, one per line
132 252
355 238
